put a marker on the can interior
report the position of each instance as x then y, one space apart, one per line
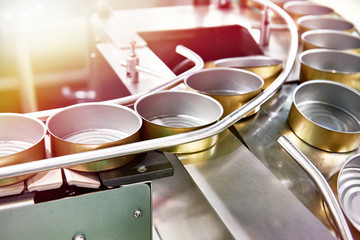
224 82
18 133
329 105
94 124
332 40
307 9
179 109
334 61
326 23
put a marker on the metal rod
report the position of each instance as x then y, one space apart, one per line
328 195
185 52
149 71
158 143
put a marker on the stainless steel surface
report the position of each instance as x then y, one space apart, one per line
226 193
279 162
330 39
109 210
349 191
174 140
131 62
326 191
247 196
181 211
17 203
260 134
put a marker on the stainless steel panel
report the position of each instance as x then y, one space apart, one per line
249 199
180 210
261 133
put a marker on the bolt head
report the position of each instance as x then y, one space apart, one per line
79 236
138 213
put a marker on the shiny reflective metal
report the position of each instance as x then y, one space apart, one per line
282 2
330 39
131 62
265 28
348 188
79 236
328 195
231 87
172 112
261 133
266 67
180 208
314 22
185 52
90 126
138 213
142 146
297 9
335 65
326 115
21 140
226 175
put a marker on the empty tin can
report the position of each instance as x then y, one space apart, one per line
21 141
90 126
171 112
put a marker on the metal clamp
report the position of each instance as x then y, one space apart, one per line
131 62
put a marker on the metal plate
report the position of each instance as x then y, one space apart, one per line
261 133
145 167
101 215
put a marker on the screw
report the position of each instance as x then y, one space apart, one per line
142 169
138 213
79 236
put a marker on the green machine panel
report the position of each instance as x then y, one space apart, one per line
119 213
